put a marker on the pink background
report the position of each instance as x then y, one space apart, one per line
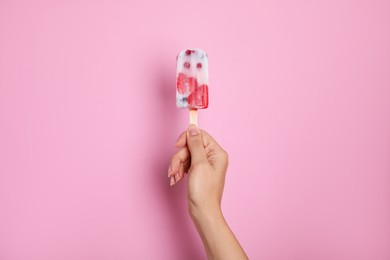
300 98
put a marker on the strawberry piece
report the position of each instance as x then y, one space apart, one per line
199 97
182 83
192 100
193 84
203 95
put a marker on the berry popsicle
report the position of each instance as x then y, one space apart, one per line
192 79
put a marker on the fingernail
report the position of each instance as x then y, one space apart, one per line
193 130
172 181
169 171
177 177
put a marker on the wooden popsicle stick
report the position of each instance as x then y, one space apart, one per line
194 116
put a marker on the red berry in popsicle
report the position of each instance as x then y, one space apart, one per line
193 84
182 83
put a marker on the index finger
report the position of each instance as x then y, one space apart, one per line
182 140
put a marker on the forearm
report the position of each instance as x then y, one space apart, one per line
218 240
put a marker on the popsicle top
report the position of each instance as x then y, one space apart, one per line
192 79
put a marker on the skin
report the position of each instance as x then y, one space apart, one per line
206 163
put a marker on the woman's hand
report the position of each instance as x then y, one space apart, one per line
206 163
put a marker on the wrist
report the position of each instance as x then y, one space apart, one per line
202 213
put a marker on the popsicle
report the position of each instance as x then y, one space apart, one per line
192 79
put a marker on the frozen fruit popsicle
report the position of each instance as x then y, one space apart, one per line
192 79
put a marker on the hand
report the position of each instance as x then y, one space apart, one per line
206 163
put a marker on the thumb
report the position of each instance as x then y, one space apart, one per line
195 145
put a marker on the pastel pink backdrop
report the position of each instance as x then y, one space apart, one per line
299 97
